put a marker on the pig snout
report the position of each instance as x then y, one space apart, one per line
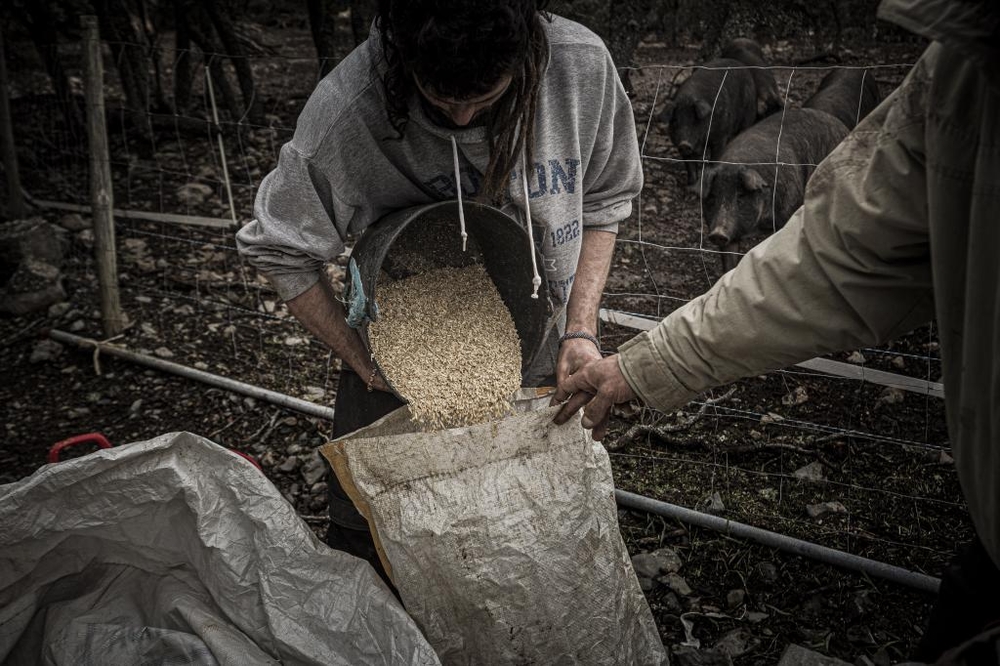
720 236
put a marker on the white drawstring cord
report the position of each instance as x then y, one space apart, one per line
536 281
458 193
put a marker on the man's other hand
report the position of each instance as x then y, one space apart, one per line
595 388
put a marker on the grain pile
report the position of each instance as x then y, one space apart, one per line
447 343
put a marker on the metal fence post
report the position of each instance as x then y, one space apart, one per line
101 192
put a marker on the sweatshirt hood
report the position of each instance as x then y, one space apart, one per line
971 27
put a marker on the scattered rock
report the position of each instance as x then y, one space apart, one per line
77 325
768 493
193 194
676 583
857 358
899 362
882 658
767 572
825 509
163 352
796 397
714 504
735 598
293 341
736 642
656 563
143 299
314 392
865 602
796 655
672 604
755 617
771 417
290 464
319 488
73 222
31 239
891 396
35 285
314 469
45 351
135 406
812 473
688 656
57 310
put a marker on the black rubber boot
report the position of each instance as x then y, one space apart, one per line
968 602
354 408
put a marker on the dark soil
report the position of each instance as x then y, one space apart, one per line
191 299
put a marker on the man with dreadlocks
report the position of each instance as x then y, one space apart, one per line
517 93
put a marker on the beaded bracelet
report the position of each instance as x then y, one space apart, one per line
583 335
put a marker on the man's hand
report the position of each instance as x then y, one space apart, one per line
596 387
574 354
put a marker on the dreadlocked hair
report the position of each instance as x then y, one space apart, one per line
461 49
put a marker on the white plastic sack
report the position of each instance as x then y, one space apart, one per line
502 539
177 551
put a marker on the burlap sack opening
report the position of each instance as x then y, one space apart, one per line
502 538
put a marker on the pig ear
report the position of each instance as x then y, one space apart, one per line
668 112
752 180
702 108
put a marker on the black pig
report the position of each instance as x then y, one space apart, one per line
690 112
847 94
739 194
749 52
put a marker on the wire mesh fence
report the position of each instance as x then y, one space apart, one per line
832 457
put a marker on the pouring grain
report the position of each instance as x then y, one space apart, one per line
447 343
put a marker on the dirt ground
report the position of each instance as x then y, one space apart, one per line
733 452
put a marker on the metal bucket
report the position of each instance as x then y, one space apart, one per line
414 240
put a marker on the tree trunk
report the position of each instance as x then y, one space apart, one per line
224 28
323 25
183 64
199 27
130 50
152 38
362 14
41 27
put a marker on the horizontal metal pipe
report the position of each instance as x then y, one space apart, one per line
242 388
824 365
788 544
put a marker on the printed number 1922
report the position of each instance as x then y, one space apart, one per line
566 233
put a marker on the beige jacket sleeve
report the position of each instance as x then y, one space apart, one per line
852 267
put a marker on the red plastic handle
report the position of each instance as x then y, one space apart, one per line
249 457
90 438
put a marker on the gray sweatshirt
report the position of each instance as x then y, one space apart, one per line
343 170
